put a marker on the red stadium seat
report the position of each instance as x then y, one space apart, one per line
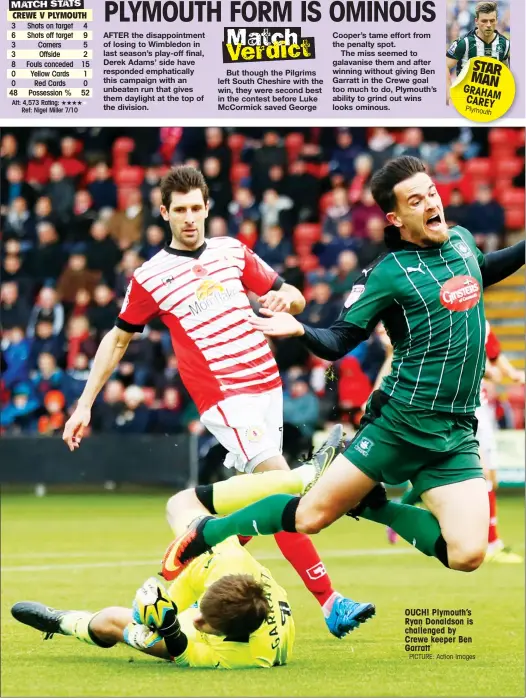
309 263
236 143
128 176
511 197
303 249
293 145
507 167
514 218
123 146
325 201
445 189
480 168
307 233
498 136
123 194
239 171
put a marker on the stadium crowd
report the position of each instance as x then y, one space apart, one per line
80 212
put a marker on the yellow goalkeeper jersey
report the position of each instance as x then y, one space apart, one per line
271 644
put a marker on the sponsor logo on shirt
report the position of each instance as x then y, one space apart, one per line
210 294
356 292
460 293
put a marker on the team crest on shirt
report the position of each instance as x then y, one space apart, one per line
364 445
462 249
254 434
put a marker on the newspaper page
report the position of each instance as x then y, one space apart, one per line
281 239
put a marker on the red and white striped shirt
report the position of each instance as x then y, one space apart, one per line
202 298
492 352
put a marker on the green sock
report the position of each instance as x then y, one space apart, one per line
417 526
262 518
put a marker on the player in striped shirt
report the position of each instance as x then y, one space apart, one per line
483 40
420 425
198 288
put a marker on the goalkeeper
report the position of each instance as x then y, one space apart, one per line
242 617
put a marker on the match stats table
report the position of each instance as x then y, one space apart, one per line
49 56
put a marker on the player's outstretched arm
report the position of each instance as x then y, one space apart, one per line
109 353
287 299
498 265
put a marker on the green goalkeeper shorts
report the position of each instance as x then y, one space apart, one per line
396 443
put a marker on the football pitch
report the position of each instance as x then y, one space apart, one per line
88 551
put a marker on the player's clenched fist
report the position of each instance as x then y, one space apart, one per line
277 301
74 429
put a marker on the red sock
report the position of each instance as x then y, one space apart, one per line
492 533
244 539
298 549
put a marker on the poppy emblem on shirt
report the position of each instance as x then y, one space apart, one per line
199 271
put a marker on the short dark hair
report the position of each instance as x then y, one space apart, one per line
392 173
235 605
485 8
182 179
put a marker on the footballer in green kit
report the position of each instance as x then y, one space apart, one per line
420 425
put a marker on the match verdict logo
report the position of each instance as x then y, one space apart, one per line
256 45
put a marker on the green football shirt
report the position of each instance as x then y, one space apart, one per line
430 301
471 46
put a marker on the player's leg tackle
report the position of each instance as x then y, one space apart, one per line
341 614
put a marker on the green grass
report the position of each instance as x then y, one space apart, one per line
88 551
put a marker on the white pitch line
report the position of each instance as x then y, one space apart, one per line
140 563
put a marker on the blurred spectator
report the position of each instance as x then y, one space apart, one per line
44 341
300 416
242 207
102 252
217 148
8 155
217 227
47 307
152 213
154 242
75 276
354 387
381 144
52 422
75 378
362 211
106 409
167 419
103 310
48 258
347 272
273 248
292 272
330 248
39 166
61 193
486 219
218 185
130 262
343 156
134 416
48 376
82 302
73 166
271 152
304 190
84 215
102 188
276 210
14 270
457 213
16 353
44 212
80 339
412 143
373 245
14 310
16 186
126 226
150 182
339 210
248 233
170 376
448 169
20 415
19 224
364 166
321 310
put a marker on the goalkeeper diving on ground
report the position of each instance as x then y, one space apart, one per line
225 610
